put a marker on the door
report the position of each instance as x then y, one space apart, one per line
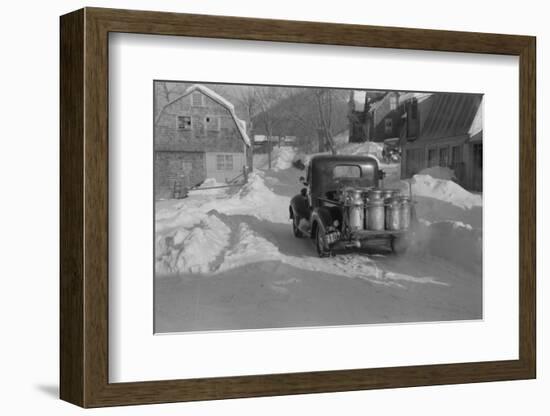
477 162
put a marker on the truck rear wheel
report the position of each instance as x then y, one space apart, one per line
322 250
295 224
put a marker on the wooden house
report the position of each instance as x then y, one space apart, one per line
444 129
374 115
197 136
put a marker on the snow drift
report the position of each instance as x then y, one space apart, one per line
283 157
439 172
193 248
442 190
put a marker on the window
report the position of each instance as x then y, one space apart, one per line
456 156
346 171
388 126
212 123
393 102
444 157
224 162
197 99
184 123
432 157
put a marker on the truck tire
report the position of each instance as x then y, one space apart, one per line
295 230
322 251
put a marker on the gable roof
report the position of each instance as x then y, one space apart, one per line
452 114
241 124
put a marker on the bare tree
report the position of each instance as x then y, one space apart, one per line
324 99
266 98
314 112
248 102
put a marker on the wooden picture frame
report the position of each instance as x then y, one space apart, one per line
84 207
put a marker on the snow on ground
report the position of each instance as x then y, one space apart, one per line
365 148
237 242
196 221
258 200
283 157
344 148
210 182
186 225
226 259
250 248
439 172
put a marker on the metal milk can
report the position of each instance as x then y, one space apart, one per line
388 193
405 212
393 214
355 209
375 211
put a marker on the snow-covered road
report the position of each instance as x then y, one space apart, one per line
226 259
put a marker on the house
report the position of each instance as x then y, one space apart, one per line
197 136
374 115
444 129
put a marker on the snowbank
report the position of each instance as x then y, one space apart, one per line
250 248
283 157
209 182
257 200
341 138
366 148
254 198
439 172
443 190
191 249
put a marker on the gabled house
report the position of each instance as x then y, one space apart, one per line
444 129
197 136
359 106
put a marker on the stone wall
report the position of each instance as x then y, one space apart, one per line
188 168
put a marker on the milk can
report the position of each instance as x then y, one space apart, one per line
375 193
375 214
393 213
355 209
405 212
388 193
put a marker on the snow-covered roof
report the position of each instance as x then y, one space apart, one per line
359 99
477 123
420 96
241 124
452 115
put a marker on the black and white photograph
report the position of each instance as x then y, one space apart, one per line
295 206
